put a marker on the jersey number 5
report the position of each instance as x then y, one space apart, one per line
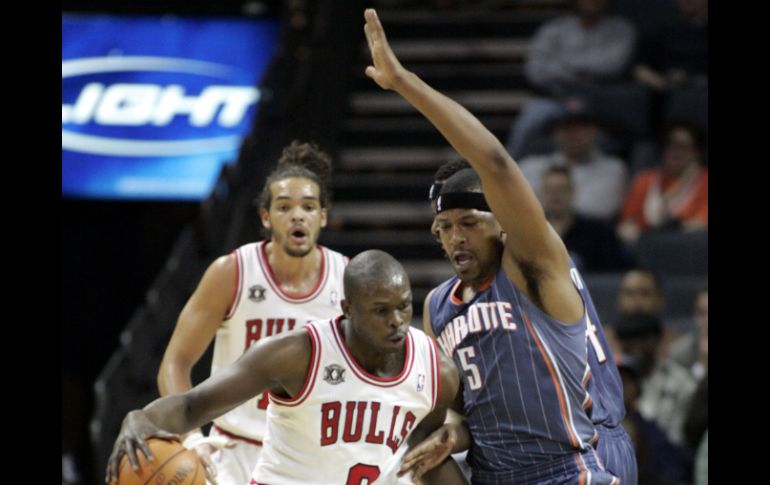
360 474
471 371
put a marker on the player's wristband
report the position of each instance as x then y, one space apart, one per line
192 440
197 439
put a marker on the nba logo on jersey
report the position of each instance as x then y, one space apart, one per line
335 298
420 382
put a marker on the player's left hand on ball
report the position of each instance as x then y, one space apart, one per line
136 428
386 67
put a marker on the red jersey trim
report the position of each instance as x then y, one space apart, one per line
237 437
271 280
312 373
361 373
238 287
436 370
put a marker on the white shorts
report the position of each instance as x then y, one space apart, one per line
235 465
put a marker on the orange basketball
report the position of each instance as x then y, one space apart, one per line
173 465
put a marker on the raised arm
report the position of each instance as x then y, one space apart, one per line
280 363
534 250
505 188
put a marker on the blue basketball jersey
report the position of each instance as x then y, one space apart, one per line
604 383
614 449
525 376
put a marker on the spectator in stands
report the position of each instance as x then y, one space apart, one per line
667 394
673 196
600 179
566 55
696 421
677 53
675 56
640 292
592 243
639 335
659 461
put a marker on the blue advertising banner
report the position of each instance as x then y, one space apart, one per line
153 107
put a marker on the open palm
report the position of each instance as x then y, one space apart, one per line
386 67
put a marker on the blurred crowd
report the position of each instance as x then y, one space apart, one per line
614 141
623 111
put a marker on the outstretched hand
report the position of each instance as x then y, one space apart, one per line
386 68
429 453
134 432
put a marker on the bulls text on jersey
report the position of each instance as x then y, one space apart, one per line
365 415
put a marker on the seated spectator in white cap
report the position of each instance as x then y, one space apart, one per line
599 178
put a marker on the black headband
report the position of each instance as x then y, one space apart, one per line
461 200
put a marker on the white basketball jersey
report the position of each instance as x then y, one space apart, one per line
347 426
260 308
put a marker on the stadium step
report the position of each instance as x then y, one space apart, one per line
382 214
478 102
412 130
447 75
401 158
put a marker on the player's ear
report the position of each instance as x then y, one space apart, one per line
265 216
434 231
324 216
501 236
345 304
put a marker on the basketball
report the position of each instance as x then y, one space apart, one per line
173 464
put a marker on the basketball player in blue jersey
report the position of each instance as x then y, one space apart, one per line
516 318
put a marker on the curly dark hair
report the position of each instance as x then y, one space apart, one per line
304 160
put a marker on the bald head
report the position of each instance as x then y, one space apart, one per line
372 270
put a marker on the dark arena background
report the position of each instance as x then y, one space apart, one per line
136 243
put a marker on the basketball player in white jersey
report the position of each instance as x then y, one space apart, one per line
347 394
261 289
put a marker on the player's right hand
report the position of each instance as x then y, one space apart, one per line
136 428
431 452
204 453
204 447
